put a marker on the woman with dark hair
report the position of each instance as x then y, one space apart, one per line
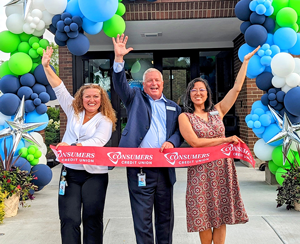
90 122
213 196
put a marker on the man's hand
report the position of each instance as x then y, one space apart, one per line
120 47
166 145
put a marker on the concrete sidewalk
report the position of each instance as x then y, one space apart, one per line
39 224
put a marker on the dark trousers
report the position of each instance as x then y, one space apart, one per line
87 192
157 194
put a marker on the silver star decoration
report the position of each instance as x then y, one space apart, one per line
288 132
18 129
26 5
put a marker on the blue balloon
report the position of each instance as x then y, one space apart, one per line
34 117
272 96
67 29
266 60
278 107
259 131
52 29
51 92
9 143
24 91
40 75
34 96
264 99
29 106
290 99
258 135
74 27
9 104
250 124
271 116
270 40
260 9
59 43
257 19
55 19
256 35
269 11
91 27
280 96
77 20
257 124
270 132
295 50
248 117
37 102
60 26
254 117
79 45
22 164
265 120
244 50
258 104
66 15
68 20
98 10
264 81
41 109
27 80
293 119
73 8
244 26
242 10
38 88
72 34
269 24
61 36
44 96
253 5
273 103
43 174
285 38
259 111
254 66
9 84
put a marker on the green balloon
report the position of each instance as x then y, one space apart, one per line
23 152
4 70
295 4
34 65
114 26
20 63
280 171
35 45
33 53
24 47
44 43
30 157
24 37
121 9
279 4
37 154
36 60
277 156
34 162
33 40
40 51
9 42
286 17
272 167
136 67
31 150
295 27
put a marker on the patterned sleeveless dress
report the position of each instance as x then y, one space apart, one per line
213 195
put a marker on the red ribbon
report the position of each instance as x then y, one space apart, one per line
150 157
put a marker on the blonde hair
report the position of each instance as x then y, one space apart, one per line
105 108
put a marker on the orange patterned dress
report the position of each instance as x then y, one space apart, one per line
213 194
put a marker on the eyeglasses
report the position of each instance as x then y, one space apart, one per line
196 90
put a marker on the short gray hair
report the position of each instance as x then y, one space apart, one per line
152 70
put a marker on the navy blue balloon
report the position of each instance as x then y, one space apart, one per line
272 90
294 119
27 80
68 20
257 19
61 36
43 174
272 96
278 107
244 26
9 104
74 27
60 26
256 35
37 102
22 164
59 43
44 96
242 10
52 29
41 109
38 88
269 25
72 34
34 96
51 92
66 15
280 96
264 99
9 84
79 45
25 91
55 19
290 101
67 29
29 106
40 76
77 20
273 103
264 81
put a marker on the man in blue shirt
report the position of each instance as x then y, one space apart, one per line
152 123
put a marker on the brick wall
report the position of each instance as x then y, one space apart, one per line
178 9
65 73
249 94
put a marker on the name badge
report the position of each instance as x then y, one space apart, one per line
170 108
214 112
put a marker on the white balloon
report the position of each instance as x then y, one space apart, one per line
14 23
278 82
293 80
286 88
40 26
294 144
297 66
43 149
36 20
43 159
55 6
262 150
3 117
37 13
14 9
47 17
38 32
32 25
38 137
29 18
38 4
282 64
27 29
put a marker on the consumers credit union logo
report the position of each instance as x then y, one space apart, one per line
227 150
114 156
171 157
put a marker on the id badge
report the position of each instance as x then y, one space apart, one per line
62 187
142 179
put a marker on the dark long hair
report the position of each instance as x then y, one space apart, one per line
188 105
